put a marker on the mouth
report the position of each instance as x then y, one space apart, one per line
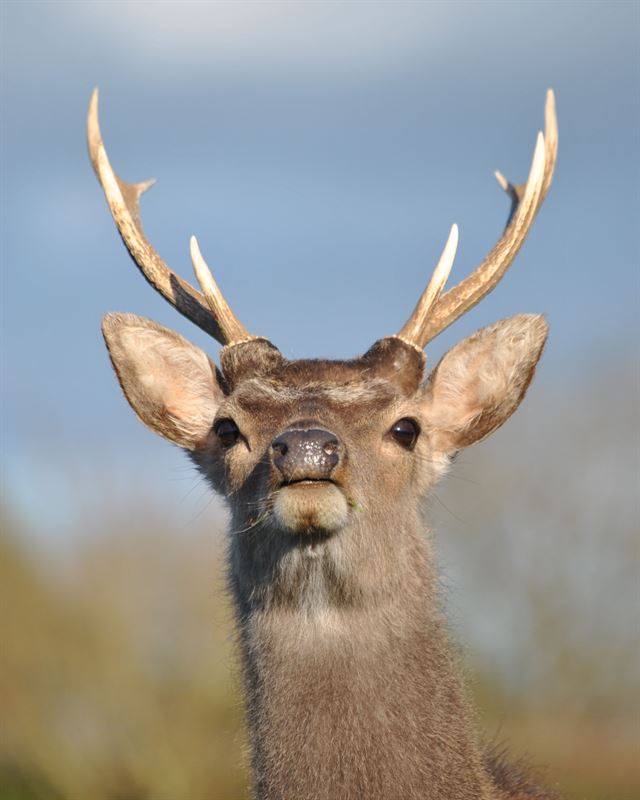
310 506
308 482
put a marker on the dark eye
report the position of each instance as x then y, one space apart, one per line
228 433
405 432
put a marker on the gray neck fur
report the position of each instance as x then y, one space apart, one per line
352 687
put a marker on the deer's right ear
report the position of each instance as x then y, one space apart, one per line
170 384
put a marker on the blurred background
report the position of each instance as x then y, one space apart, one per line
320 151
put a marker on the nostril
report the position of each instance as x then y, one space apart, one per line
280 448
330 447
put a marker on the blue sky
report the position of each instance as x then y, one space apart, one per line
320 152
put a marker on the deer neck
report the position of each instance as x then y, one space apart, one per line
351 684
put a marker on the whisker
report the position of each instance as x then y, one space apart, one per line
447 509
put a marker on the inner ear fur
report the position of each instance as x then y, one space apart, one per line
478 384
170 383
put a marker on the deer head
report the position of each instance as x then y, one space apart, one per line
315 457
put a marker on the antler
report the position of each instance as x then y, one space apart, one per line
433 312
211 312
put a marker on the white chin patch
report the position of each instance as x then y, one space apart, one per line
309 507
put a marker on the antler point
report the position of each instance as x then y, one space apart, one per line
502 181
144 186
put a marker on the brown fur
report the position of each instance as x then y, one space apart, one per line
515 780
352 687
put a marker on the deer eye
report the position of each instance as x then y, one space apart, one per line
228 432
405 432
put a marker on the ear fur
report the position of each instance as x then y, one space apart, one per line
478 384
170 384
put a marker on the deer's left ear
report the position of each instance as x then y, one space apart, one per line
478 384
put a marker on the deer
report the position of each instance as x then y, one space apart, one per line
352 686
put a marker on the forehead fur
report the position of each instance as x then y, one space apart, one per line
333 382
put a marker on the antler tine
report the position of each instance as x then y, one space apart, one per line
551 143
219 307
412 331
526 200
124 202
516 191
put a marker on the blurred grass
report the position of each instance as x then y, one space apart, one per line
115 679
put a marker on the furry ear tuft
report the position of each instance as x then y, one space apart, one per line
478 384
170 384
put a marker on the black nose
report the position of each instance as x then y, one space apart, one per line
310 454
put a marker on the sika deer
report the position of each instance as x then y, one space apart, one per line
352 687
